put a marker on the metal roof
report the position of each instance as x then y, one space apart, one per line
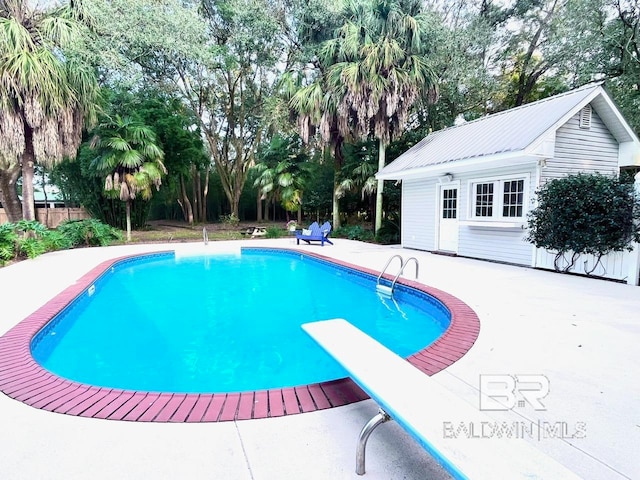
510 131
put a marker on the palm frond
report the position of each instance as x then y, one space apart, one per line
116 143
131 159
370 187
38 82
14 37
285 179
59 31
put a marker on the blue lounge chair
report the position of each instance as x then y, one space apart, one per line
315 233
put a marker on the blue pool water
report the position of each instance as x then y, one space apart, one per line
224 323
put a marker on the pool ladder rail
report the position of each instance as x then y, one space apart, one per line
386 289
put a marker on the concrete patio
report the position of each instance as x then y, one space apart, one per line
582 334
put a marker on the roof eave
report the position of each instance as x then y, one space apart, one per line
504 159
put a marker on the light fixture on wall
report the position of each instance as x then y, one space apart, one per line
542 163
445 178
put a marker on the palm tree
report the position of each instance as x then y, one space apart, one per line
381 71
317 106
131 160
360 177
286 180
46 95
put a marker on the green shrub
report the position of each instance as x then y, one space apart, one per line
275 232
230 220
354 232
30 238
54 240
89 232
585 214
388 233
31 228
31 247
8 239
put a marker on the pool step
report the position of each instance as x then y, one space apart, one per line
384 290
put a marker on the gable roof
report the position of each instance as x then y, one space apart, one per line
509 133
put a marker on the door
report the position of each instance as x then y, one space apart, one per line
448 219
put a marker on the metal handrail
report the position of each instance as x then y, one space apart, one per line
403 264
402 270
387 265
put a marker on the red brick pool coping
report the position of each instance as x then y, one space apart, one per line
23 379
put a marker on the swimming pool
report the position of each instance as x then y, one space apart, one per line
224 323
23 379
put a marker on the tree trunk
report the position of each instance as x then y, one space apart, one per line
8 193
187 210
339 161
259 208
336 205
46 203
28 167
381 161
235 204
194 189
198 193
128 220
205 193
525 87
299 214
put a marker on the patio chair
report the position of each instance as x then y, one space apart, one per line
315 233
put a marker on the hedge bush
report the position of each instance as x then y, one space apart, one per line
585 214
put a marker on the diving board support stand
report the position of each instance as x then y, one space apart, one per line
367 430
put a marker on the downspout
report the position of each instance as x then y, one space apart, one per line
540 165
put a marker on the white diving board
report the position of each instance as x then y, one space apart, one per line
422 406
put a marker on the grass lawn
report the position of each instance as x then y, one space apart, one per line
166 231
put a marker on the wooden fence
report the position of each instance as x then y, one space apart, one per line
52 217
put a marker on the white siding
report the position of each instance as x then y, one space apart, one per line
582 150
489 243
418 214
499 244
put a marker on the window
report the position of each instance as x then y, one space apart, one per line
484 200
499 199
513 198
449 203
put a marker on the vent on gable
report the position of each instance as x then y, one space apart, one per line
585 117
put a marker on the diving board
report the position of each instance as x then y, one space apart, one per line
422 407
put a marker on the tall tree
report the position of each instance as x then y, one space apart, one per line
130 159
304 85
47 92
532 64
184 151
381 70
221 59
622 52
